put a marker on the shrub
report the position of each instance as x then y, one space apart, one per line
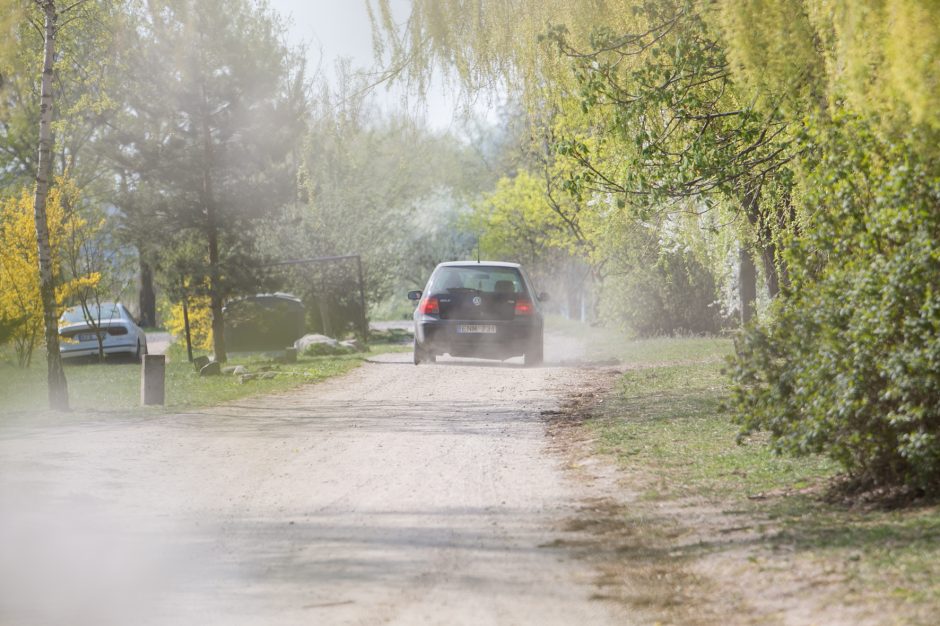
21 313
200 322
674 294
848 362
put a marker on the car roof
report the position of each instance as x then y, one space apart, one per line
476 263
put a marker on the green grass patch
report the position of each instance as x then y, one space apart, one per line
668 421
603 343
115 386
665 425
391 340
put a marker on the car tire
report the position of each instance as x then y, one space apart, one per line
423 356
534 354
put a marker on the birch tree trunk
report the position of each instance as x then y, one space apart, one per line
58 386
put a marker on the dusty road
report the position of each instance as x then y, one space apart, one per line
394 495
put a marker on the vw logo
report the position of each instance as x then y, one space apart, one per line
477 300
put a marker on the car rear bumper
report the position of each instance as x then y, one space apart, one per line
511 338
85 349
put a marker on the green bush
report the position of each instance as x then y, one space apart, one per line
848 361
672 295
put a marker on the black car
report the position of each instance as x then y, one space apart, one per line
478 309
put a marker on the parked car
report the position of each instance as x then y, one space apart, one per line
478 309
119 330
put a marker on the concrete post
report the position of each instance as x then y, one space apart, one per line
153 379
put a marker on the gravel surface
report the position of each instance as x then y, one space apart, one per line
395 494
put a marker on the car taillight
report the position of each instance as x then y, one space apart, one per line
523 307
430 306
117 330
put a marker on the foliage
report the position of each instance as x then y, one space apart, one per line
528 219
120 397
849 363
19 267
876 57
88 68
209 137
806 128
515 222
8 328
673 294
200 321
374 184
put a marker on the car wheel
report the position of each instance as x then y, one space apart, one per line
423 356
535 352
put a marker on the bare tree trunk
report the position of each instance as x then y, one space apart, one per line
324 306
212 234
768 257
765 235
58 386
215 297
747 285
147 299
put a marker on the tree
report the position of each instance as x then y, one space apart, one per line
28 104
674 125
58 386
375 184
638 98
86 74
845 363
88 249
209 136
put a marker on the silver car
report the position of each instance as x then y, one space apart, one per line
120 333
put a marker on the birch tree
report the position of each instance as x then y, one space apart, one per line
58 385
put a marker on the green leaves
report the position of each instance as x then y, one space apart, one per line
849 363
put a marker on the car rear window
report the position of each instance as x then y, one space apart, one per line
76 315
477 278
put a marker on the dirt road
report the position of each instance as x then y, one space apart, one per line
396 495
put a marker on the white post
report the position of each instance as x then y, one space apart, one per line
153 379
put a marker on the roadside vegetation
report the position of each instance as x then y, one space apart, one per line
708 508
767 168
113 387
698 166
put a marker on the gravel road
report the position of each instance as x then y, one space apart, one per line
392 495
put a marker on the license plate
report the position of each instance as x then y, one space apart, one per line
87 337
476 328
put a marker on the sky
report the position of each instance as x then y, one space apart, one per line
335 29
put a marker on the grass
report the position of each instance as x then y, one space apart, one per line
665 425
669 420
604 344
114 386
